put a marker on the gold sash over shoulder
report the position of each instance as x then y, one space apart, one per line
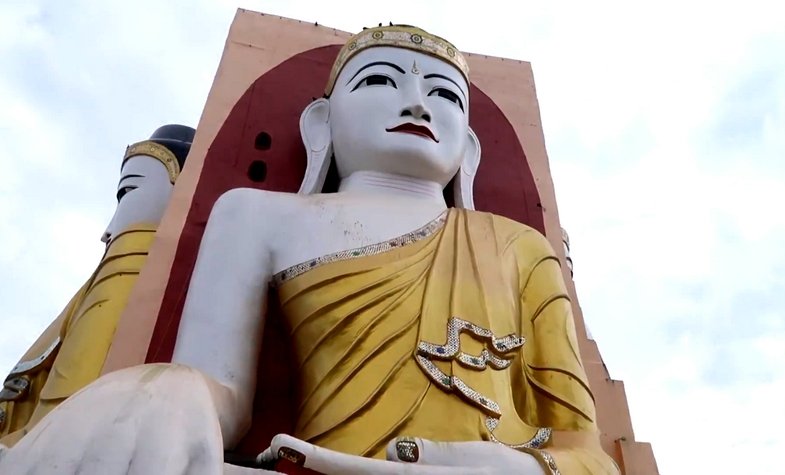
361 326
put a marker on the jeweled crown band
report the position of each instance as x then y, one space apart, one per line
157 151
398 36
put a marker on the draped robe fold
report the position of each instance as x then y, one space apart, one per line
355 321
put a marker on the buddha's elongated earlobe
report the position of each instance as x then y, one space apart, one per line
315 132
463 185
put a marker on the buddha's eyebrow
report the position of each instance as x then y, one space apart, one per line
428 76
377 63
129 176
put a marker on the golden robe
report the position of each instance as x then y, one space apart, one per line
78 340
459 331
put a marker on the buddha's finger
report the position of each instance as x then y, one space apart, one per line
329 462
465 457
428 452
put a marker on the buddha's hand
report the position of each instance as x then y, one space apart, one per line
151 419
441 459
462 457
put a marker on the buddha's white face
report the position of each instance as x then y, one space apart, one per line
143 192
399 111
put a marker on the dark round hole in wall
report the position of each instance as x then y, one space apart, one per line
257 171
263 141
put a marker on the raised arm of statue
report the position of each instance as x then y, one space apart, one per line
221 328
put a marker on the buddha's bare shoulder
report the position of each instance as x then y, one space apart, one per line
250 202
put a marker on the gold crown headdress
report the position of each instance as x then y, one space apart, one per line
157 151
398 36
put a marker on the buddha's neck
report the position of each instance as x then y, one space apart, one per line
367 182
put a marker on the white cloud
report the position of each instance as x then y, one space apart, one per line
665 125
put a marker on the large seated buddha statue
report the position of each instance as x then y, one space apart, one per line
71 351
424 339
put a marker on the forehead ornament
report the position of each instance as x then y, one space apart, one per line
157 151
398 36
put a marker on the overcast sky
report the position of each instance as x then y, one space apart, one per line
665 128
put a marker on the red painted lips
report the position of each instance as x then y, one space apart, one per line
409 128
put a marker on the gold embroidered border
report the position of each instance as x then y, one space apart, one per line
540 438
157 151
378 248
24 367
546 460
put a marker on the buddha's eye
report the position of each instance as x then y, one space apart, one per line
123 191
447 94
376 80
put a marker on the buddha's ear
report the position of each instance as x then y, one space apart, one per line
463 184
315 132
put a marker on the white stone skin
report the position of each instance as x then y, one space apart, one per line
145 188
391 184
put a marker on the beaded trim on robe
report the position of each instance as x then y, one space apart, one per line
551 462
25 366
546 460
371 249
542 436
451 350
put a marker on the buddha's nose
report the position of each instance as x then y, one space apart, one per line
418 111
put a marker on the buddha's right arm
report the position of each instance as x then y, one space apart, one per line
221 326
